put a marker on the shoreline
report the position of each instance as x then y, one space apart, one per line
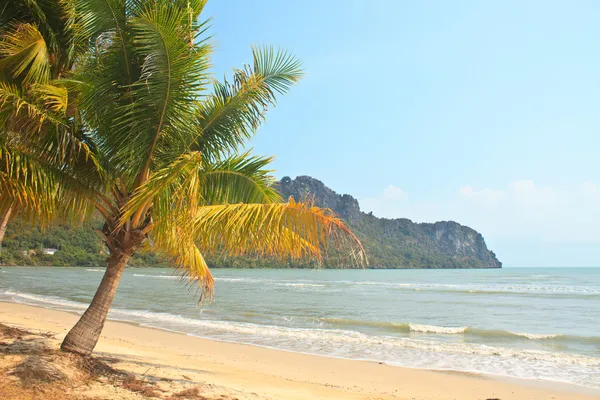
288 374
274 268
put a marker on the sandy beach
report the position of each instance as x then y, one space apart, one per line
250 372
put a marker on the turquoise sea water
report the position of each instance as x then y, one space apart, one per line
539 323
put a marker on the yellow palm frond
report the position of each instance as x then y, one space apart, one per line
186 257
280 230
24 54
291 230
54 98
22 114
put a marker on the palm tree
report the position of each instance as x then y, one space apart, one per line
161 140
37 46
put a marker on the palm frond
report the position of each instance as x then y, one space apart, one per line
39 190
186 257
100 21
24 54
234 111
176 186
54 98
19 112
282 230
238 179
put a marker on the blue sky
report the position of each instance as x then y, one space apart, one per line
487 113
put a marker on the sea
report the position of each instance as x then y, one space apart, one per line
533 323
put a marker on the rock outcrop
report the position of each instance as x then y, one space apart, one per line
399 243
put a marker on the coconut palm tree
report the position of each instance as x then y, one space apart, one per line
161 160
37 46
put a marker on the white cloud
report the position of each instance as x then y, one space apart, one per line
394 193
521 209
525 223
487 196
590 188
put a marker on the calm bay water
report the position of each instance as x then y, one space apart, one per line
541 323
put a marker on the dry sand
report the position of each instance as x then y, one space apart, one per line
176 362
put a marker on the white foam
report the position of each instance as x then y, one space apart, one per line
536 336
248 280
47 300
517 288
94 270
437 329
336 338
303 284
157 276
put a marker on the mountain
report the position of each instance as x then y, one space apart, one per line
389 243
399 243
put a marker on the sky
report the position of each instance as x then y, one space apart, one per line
486 113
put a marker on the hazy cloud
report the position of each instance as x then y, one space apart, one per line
394 193
521 209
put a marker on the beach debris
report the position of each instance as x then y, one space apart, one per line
11 332
188 394
140 386
35 368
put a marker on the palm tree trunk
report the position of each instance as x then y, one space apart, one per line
82 338
4 219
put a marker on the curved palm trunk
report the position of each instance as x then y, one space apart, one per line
82 338
4 219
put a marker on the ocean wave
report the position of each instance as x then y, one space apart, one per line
251 333
94 270
412 351
303 284
247 280
537 336
525 288
490 289
409 327
276 282
447 330
270 334
46 300
157 276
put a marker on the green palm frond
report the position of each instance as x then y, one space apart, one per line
39 115
238 179
235 110
171 78
176 186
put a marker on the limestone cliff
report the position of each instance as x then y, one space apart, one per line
399 243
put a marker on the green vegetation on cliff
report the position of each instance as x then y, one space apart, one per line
390 243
